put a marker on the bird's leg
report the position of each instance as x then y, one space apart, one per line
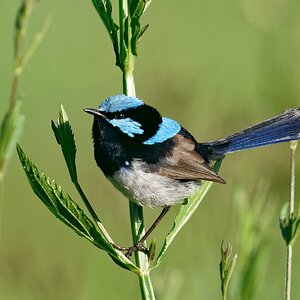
139 245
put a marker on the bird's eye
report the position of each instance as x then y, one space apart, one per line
120 116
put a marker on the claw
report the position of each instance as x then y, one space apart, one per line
136 247
129 250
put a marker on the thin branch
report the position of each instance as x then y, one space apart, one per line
289 253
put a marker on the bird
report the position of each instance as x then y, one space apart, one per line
153 161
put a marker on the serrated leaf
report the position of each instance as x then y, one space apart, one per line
59 203
66 210
65 138
10 131
186 211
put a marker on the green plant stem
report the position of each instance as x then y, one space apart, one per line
21 29
141 259
293 146
92 212
13 93
136 211
146 287
126 57
95 216
21 57
289 251
288 273
138 228
1 207
33 46
129 83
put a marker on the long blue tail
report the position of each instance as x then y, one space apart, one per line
282 128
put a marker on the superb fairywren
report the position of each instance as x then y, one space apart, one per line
154 161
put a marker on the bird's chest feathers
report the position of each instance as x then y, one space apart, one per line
109 147
144 187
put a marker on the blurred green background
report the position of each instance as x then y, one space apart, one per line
216 66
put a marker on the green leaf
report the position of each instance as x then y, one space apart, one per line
66 210
283 222
254 214
124 43
21 22
186 211
152 250
18 25
65 138
136 9
142 31
104 9
227 265
59 203
10 131
135 30
289 226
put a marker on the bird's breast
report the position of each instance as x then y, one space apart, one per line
139 184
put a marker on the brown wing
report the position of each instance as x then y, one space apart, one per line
185 163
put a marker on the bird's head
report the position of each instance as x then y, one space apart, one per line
137 120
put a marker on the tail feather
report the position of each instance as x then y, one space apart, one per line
282 128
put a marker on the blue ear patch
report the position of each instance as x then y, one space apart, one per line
167 129
128 126
119 102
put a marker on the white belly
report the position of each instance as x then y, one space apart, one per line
138 184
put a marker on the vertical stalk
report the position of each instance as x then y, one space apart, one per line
21 29
288 273
141 259
136 211
22 19
289 251
1 207
146 287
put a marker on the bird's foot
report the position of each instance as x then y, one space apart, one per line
129 250
137 247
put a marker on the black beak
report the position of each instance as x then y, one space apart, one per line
95 112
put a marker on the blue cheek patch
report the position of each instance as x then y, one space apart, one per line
167 129
127 126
